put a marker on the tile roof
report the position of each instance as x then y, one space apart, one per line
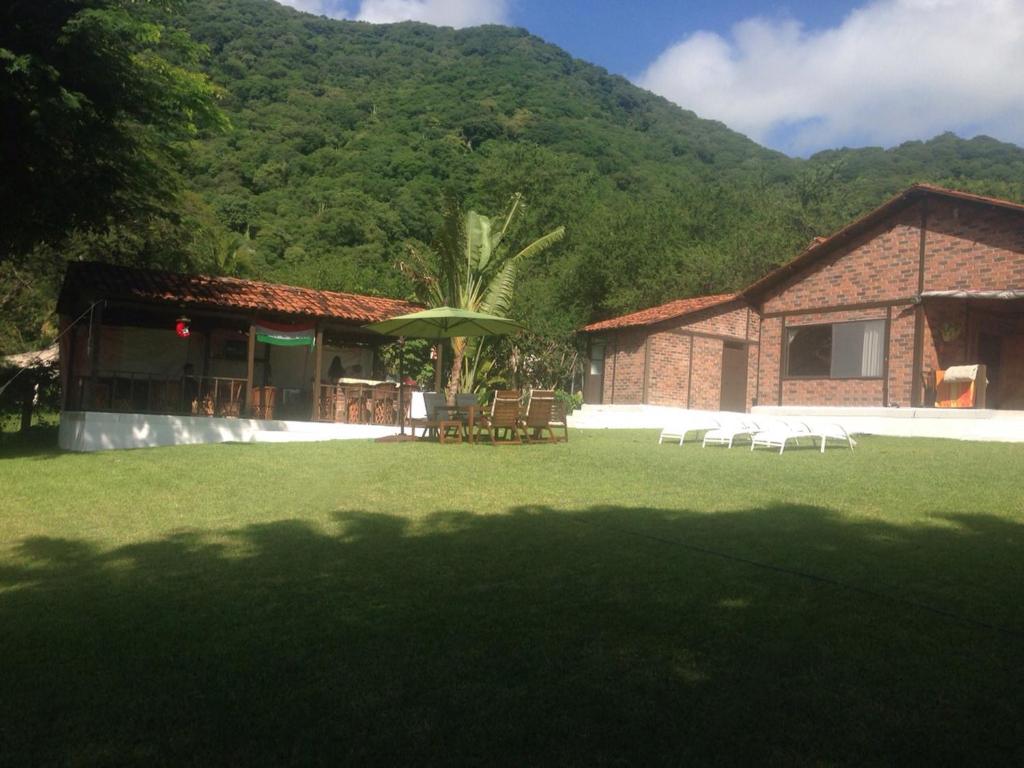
94 280
820 246
661 313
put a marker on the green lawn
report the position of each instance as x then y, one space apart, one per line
607 601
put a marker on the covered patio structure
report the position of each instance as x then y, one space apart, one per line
157 358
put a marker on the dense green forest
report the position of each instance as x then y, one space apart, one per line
346 138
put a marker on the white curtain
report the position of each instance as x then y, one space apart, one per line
872 353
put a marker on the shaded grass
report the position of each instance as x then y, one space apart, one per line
605 601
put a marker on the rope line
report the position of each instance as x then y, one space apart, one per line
59 337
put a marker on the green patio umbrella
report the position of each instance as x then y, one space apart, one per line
445 323
439 323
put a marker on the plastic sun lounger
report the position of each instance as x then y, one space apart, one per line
727 433
691 423
780 433
832 431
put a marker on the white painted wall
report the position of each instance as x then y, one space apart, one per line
96 431
956 424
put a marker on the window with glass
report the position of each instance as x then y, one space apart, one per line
836 350
597 358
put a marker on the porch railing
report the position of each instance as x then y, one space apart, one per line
135 392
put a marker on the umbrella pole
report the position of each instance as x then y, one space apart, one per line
401 386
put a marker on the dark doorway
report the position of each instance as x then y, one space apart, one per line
988 354
1011 373
734 377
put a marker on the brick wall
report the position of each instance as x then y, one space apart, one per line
901 355
771 361
624 366
973 247
706 386
882 264
668 376
668 347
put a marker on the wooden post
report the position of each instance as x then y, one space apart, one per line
250 369
27 406
318 364
95 329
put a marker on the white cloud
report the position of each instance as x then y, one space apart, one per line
334 8
445 13
893 70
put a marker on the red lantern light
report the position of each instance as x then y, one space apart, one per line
181 327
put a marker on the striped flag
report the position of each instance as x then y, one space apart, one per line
284 335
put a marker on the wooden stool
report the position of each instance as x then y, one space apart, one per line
442 431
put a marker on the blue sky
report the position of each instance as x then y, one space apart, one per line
620 36
797 76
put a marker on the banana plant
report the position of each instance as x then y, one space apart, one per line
470 265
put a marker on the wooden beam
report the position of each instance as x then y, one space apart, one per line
689 374
757 375
782 359
250 368
318 363
916 390
881 304
885 357
647 368
95 330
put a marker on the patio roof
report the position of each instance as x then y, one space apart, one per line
661 313
94 280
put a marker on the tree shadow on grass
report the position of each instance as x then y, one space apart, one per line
39 442
608 635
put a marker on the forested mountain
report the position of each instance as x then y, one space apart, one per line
347 138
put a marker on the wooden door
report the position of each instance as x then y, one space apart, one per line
734 377
593 382
1011 374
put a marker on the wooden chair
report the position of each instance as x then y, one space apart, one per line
559 420
538 415
423 412
503 417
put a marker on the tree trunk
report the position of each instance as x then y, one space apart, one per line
27 406
455 380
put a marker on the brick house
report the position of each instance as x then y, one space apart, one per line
930 279
691 353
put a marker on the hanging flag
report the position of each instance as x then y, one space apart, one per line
301 335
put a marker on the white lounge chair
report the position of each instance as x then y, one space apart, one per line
691 422
730 428
832 431
779 433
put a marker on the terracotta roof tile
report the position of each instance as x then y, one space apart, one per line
96 280
662 312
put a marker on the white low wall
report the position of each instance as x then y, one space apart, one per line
956 424
953 423
96 431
